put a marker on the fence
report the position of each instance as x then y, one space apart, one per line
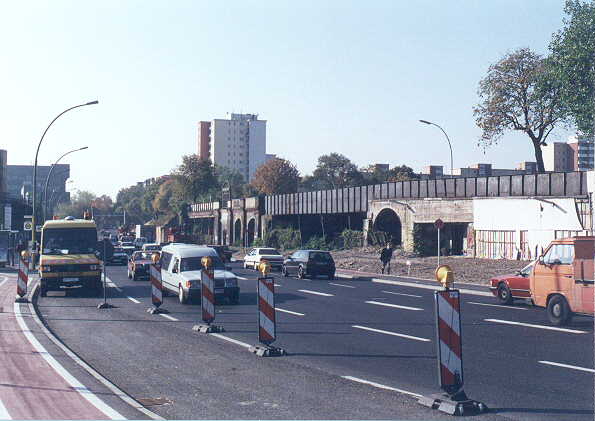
495 244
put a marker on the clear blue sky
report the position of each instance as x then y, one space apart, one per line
338 76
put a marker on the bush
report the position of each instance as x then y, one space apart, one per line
352 238
280 238
378 238
424 242
317 243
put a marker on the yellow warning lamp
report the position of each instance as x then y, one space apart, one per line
155 257
207 262
445 276
264 267
86 215
25 254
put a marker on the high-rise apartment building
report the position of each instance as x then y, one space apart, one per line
238 143
578 154
583 149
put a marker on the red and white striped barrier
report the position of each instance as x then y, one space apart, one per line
450 355
23 278
266 311
156 286
207 292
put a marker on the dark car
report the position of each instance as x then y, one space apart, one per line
120 257
506 288
139 265
309 263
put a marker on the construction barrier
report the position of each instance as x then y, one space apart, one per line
267 324
156 289
449 346
207 298
23 277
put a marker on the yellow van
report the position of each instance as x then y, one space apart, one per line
68 257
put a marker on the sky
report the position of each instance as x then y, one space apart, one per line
352 77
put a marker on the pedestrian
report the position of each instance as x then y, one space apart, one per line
385 256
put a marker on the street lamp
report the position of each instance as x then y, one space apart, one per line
47 179
33 222
449 145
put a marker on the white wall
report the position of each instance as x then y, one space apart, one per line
257 148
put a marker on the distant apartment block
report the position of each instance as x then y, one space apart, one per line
584 152
578 154
237 143
477 170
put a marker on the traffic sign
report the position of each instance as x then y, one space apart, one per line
27 225
439 223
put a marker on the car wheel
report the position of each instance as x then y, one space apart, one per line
182 297
558 311
503 293
301 274
284 271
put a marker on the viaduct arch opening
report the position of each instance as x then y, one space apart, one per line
237 232
389 223
251 229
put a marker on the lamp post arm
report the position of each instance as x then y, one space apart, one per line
47 180
449 145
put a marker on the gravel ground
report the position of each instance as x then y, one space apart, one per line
466 269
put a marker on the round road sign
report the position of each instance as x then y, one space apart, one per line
439 223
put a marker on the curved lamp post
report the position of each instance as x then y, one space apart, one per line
33 222
449 145
47 179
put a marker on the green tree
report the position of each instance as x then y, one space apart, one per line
197 178
80 202
277 176
228 177
402 173
519 93
573 63
336 171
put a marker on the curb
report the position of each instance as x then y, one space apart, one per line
79 361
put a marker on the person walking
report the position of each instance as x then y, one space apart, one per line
385 256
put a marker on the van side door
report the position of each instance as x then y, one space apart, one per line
584 276
554 273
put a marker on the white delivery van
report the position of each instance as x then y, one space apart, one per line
181 270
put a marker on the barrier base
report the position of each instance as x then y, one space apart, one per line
157 310
105 305
208 329
19 299
267 351
458 404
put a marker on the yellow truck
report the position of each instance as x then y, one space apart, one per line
67 256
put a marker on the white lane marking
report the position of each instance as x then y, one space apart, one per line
295 313
112 387
277 285
574 367
227 338
386 332
5 279
393 305
341 285
110 283
69 378
167 316
434 288
4 415
400 293
381 386
241 278
134 300
496 305
559 329
340 275
324 294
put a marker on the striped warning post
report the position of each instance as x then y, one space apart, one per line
450 356
23 277
207 301
266 311
156 285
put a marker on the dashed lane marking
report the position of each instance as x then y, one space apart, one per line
323 294
168 317
400 293
496 305
228 339
341 285
573 367
381 386
340 275
295 313
559 329
434 288
386 332
394 306
134 300
241 278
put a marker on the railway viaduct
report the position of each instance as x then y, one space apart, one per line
394 207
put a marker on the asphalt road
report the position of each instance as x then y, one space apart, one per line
325 327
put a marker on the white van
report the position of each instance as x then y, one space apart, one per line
181 269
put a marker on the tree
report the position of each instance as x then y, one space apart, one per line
196 177
573 62
402 173
231 178
277 176
79 203
336 171
519 93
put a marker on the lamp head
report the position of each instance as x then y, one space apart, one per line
92 102
425 122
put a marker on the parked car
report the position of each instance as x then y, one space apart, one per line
255 256
128 247
309 263
506 288
139 242
181 268
120 257
151 247
139 265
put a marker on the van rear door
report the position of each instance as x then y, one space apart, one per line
584 276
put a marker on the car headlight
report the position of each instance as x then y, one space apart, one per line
93 267
231 282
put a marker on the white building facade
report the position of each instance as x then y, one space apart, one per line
239 143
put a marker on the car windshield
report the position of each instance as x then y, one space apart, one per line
318 256
154 247
142 256
194 263
269 251
69 240
127 244
527 269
